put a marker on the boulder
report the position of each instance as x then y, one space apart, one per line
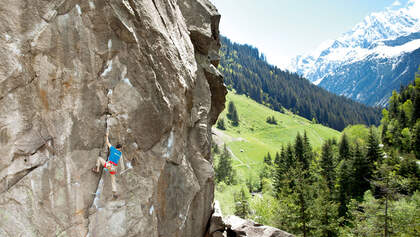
239 227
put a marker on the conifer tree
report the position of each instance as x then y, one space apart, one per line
362 173
307 151
277 158
416 139
345 181
387 182
235 118
231 108
215 148
232 114
374 152
289 156
224 170
344 148
299 149
325 212
241 199
267 159
327 165
297 200
221 124
279 172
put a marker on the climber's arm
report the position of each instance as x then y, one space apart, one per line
107 140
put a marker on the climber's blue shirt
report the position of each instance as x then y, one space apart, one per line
114 155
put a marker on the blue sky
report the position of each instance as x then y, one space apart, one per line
285 28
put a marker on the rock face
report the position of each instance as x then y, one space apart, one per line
145 70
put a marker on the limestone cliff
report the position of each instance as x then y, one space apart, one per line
72 69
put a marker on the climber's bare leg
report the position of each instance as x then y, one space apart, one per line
99 162
114 186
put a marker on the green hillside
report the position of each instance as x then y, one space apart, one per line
247 72
254 137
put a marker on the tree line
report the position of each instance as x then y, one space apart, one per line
348 189
247 72
364 186
401 121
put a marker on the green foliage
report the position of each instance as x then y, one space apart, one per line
221 124
271 120
374 152
264 209
266 172
344 186
368 217
410 170
327 165
325 212
277 158
293 186
296 200
246 71
241 199
268 160
408 109
344 148
361 173
233 114
406 140
343 189
400 127
416 139
267 186
253 183
224 170
253 138
358 133
215 148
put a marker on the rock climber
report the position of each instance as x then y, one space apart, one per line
115 155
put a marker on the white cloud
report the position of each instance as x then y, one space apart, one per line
396 3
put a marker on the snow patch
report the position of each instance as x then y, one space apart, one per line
109 92
109 44
151 210
317 81
387 51
364 41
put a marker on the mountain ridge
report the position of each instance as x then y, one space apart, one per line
390 37
247 71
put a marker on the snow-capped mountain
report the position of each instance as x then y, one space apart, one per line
378 55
